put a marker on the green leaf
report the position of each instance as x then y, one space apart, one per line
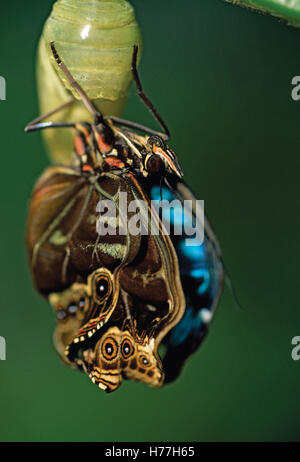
288 10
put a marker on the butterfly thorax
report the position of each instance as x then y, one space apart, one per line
104 147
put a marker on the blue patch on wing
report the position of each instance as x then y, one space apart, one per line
194 253
199 270
190 324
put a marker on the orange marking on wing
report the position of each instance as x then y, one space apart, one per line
90 325
55 189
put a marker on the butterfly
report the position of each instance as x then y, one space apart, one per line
117 297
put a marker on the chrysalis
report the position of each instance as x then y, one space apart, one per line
95 39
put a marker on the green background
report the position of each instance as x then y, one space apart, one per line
221 77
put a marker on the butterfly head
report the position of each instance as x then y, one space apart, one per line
161 158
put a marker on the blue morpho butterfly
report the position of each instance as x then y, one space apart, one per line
117 298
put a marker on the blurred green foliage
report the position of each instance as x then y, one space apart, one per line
285 9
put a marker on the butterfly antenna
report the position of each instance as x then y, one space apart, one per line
81 93
142 95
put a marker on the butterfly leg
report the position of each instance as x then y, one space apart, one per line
142 95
